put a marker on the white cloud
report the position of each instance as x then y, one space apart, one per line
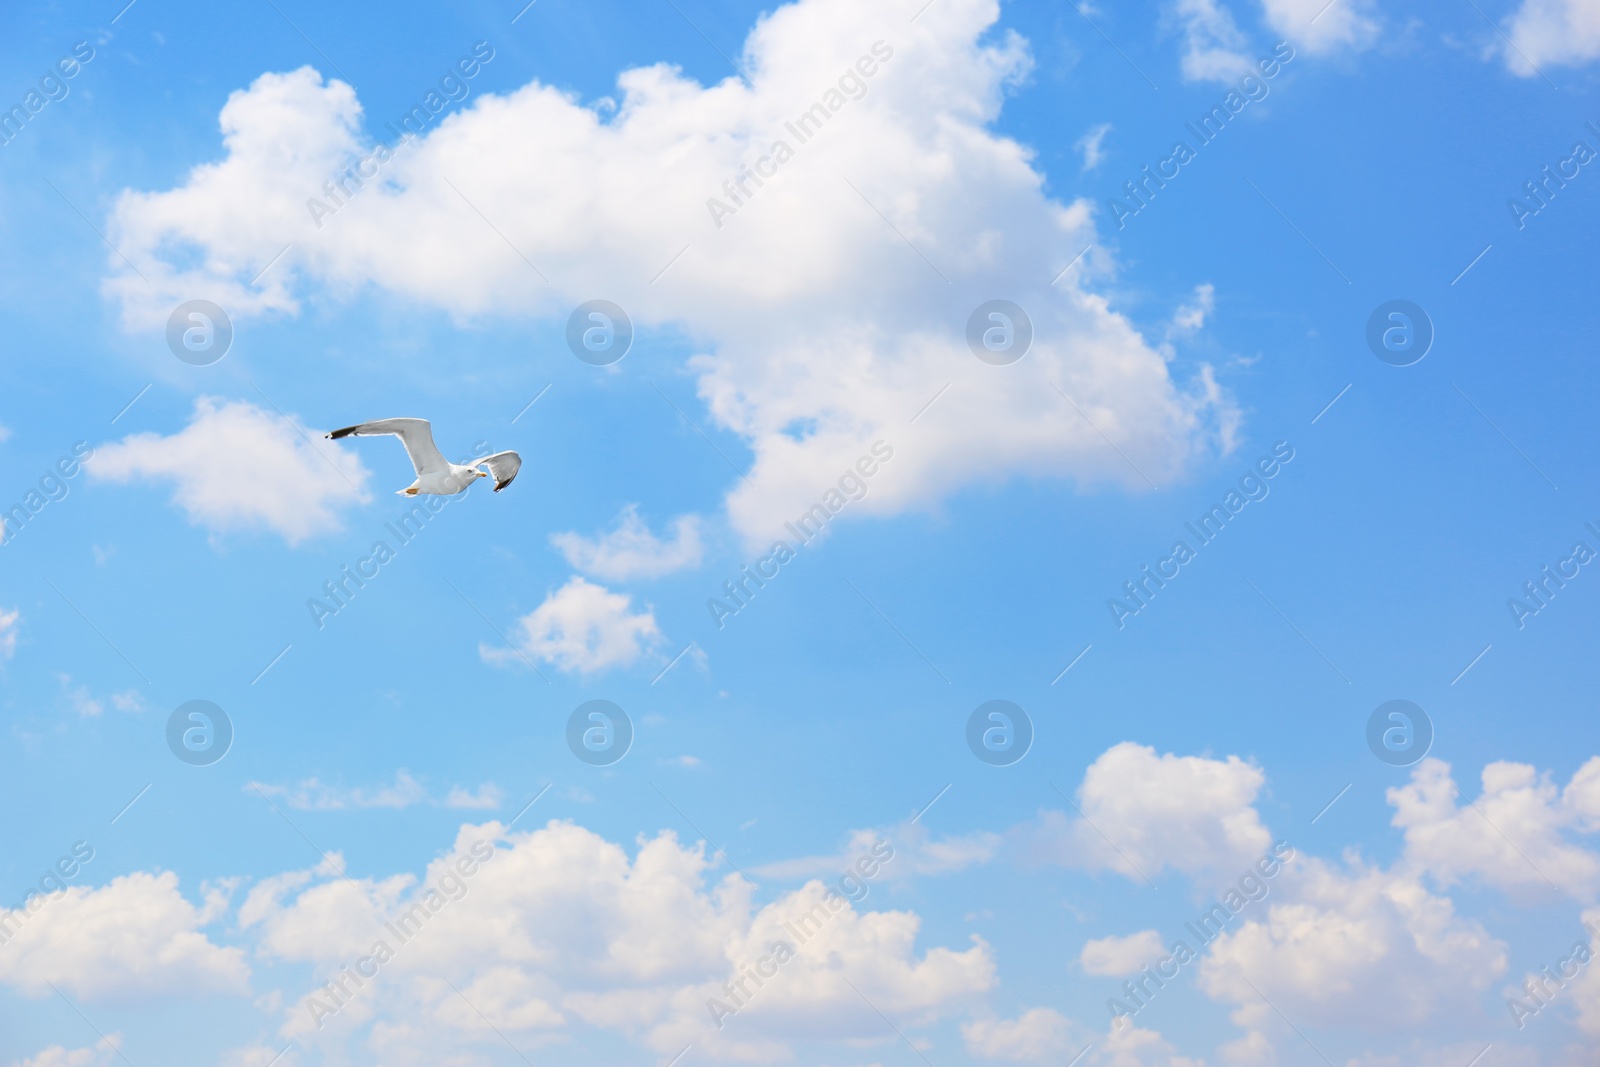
561 928
1510 837
8 632
312 794
1121 956
1582 794
136 936
631 550
1368 949
1343 947
102 1053
1035 1035
82 701
582 627
1192 316
834 344
128 701
237 466
916 852
1091 145
86 704
1142 813
1586 989
1214 49
251 1056
487 798
1552 33
1320 27
1132 1046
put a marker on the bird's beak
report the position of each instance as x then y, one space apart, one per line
482 474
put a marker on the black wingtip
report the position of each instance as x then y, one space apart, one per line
346 432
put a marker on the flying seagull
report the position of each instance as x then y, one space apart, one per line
435 474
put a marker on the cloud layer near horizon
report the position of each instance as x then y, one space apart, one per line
556 928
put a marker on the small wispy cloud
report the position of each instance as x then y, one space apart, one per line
1213 44
312 794
487 798
83 701
1192 316
631 550
916 851
8 626
1090 146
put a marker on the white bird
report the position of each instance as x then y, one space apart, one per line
436 475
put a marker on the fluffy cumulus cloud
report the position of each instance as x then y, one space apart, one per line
1585 989
238 467
581 627
1552 33
554 931
631 550
1321 27
553 934
1537 34
1133 1046
1347 946
826 272
1514 836
137 936
1036 1035
1119 956
1140 813
1350 949
102 1053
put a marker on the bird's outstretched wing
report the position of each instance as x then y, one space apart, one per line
503 466
415 434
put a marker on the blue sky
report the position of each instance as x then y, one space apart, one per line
970 152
